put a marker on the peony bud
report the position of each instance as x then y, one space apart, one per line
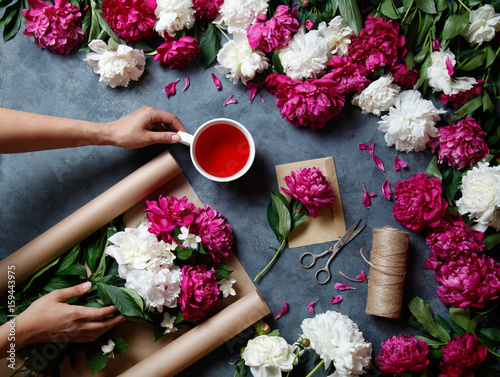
262 328
304 342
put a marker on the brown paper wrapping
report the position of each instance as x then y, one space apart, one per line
329 225
145 357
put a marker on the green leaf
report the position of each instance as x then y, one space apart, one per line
427 6
276 62
492 333
431 342
425 25
285 221
298 216
432 170
40 272
487 104
454 25
491 240
59 282
490 56
468 108
389 10
76 269
120 298
120 345
461 316
183 253
221 271
91 253
475 62
137 298
450 185
209 45
349 11
69 258
11 28
422 312
273 219
97 359
443 323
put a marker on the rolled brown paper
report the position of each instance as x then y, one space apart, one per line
387 272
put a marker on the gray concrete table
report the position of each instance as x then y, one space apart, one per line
39 189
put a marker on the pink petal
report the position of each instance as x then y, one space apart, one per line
366 197
363 146
252 89
261 98
386 190
283 311
310 307
362 276
217 82
309 24
230 100
398 163
449 66
336 299
170 88
378 162
342 287
186 85
435 44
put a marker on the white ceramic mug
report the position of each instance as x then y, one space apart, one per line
221 149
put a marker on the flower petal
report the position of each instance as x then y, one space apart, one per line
362 276
186 85
170 88
366 197
386 190
336 299
230 100
283 311
261 98
252 89
378 162
342 287
363 146
398 163
217 82
310 307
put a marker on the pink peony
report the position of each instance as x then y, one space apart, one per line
461 356
169 213
57 27
207 9
470 281
275 33
349 73
215 232
403 77
134 20
419 202
378 44
177 53
399 354
460 145
272 82
461 98
310 187
199 292
311 103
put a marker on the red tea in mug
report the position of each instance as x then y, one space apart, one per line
222 150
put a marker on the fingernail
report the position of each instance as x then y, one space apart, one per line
175 138
86 286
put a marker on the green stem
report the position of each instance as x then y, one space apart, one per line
316 368
272 260
465 6
222 31
294 360
408 11
493 353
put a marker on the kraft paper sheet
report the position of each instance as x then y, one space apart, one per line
329 225
144 357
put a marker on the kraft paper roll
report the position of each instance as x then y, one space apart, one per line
387 272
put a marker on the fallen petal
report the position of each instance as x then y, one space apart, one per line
362 276
261 98
217 82
342 287
252 89
363 146
170 88
310 307
336 299
186 85
378 162
398 163
366 197
371 148
386 190
230 100
283 311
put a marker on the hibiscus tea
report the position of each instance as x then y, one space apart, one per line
222 150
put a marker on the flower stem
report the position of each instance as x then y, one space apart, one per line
272 260
294 360
316 368
222 31
465 6
494 353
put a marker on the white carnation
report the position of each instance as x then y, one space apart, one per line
483 25
268 356
237 15
336 338
410 124
305 56
439 75
115 67
378 96
481 195
173 15
337 35
238 60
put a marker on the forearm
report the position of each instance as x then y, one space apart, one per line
11 338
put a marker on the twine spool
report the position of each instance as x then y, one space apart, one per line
387 272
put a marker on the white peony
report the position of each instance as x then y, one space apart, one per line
440 72
173 15
305 56
483 25
378 96
268 356
338 340
238 60
115 67
237 15
410 124
337 35
226 287
481 196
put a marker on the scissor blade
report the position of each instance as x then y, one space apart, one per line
347 236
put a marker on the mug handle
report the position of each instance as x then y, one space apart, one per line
186 139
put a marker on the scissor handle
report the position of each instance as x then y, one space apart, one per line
314 257
328 275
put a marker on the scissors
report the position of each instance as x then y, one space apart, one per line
334 249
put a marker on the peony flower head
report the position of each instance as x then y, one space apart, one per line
237 15
272 82
311 103
133 20
460 145
337 35
462 355
379 96
484 23
199 292
403 353
268 356
338 340
403 77
173 16
473 281
177 53
419 202
239 61
57 27
410 123
118 66
207 9
310 187
461 98
480 199
350 74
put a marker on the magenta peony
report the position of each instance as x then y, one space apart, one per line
311 103
215 232
402 353
207 9
57 27
276 32
461 356
403 77
310 187
350 74
419 202
469 282
169 213
199 292
177 53
273 81
134 20
460 145
461 98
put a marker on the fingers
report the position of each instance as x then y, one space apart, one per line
170 121
89 331
94 314
66 294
